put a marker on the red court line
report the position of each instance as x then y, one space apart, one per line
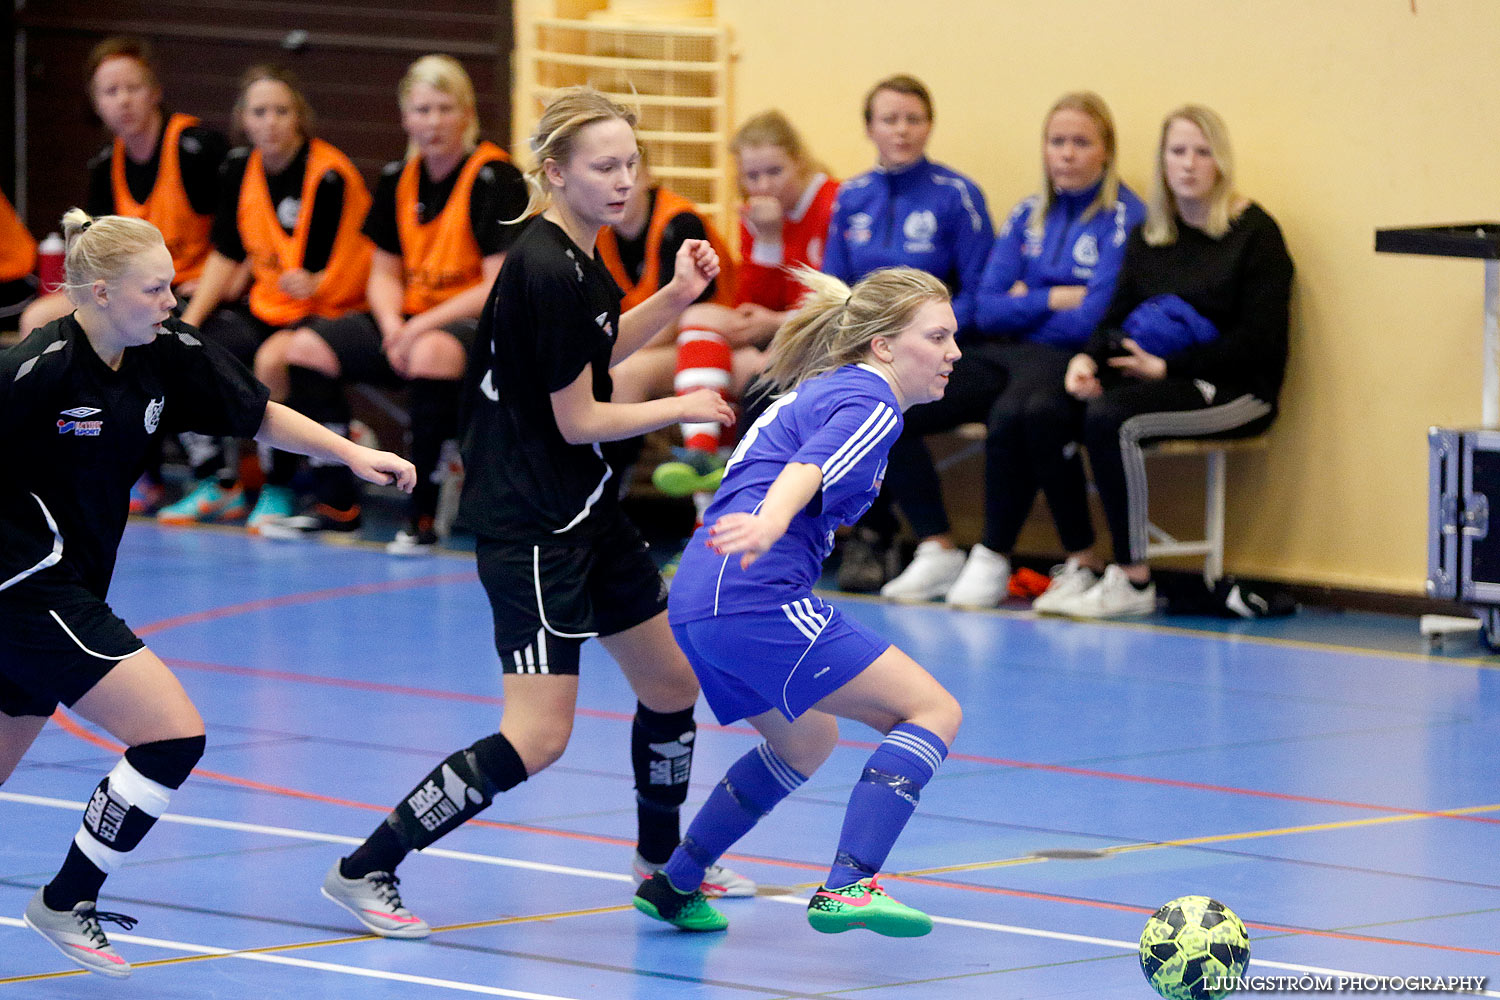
1023 765
311 596
1105 905
76 730
305 597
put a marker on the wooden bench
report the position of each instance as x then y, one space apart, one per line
1212 450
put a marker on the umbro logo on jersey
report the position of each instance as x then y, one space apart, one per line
604 324
79 412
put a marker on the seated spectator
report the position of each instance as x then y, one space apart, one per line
640 253
783 222
913 212
17 262
1194 344
1045 288
439 224
161 167
290 205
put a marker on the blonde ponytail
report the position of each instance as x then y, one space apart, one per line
102 248
836 324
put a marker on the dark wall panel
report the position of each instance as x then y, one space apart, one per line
349 57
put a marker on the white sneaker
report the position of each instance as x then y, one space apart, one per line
375 902
984 581
1114 596
1068 581
77 935
929 574
718 881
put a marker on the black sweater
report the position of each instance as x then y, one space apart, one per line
1241 283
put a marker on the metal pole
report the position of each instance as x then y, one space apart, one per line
1492 344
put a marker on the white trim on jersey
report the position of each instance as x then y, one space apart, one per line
536 582
79 643
809 195
588 504
876 426
51 559
719 582
975 219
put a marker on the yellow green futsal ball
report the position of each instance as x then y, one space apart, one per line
1194 948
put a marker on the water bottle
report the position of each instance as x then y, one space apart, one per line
49 263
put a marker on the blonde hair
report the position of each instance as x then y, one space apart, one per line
836 324
445 75
306 121
102 248
771 128
571 111
1161 211
1088 103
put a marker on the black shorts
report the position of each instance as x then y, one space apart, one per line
355 340
235 329
548 599
56 642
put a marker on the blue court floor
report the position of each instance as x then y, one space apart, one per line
1322 776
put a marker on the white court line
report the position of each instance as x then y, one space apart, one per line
1255 963
606 876
303 963
332 838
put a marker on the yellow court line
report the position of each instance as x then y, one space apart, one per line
304 945
1217 838
1485 663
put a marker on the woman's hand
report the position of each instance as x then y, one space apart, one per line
705 405
1138 364
299 284
1082 378
1063 297
763 217
383 468
760 324
695 266
749 534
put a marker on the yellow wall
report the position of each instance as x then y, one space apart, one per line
1347 115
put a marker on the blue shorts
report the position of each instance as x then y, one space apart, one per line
787 659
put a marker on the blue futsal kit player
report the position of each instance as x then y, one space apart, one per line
764 647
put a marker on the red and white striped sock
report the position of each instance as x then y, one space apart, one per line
704 361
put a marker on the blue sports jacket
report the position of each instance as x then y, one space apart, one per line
1070 251
925 216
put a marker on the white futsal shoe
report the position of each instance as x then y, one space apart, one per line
76 933
1068 581
718 881
984 581
930 573
1114 596
375 902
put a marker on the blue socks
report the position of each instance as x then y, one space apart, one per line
884 800
751 788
